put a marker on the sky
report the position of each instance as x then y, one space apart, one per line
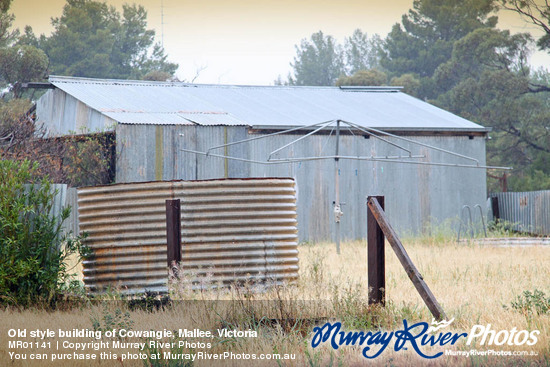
250 42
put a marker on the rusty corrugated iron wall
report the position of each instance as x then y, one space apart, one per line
232 230
526 211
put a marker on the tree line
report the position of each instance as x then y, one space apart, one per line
451 54
89 39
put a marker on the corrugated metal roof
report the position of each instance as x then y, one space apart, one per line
172 118
157 118
202 118
145 102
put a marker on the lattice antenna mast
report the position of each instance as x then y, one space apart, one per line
162 23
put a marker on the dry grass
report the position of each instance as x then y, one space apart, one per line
471 282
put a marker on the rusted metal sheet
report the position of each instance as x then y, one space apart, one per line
527 212
232 230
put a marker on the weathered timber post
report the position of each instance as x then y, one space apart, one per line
173 231
414 275
375 257
495 208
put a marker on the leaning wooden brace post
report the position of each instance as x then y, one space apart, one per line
412 272
375 257
173 232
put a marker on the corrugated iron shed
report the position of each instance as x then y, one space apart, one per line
171 103
155 121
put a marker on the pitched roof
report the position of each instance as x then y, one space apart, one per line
146 102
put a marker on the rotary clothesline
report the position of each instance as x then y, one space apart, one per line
312 129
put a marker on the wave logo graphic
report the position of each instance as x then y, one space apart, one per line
439 325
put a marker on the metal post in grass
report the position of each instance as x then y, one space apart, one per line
173 231
375 256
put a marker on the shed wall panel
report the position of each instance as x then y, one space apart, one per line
63 114
418 197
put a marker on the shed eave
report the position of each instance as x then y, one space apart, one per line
424 130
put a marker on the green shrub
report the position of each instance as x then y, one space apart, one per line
530 303
33 247
111 320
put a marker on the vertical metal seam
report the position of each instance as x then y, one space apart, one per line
226 153
159 152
